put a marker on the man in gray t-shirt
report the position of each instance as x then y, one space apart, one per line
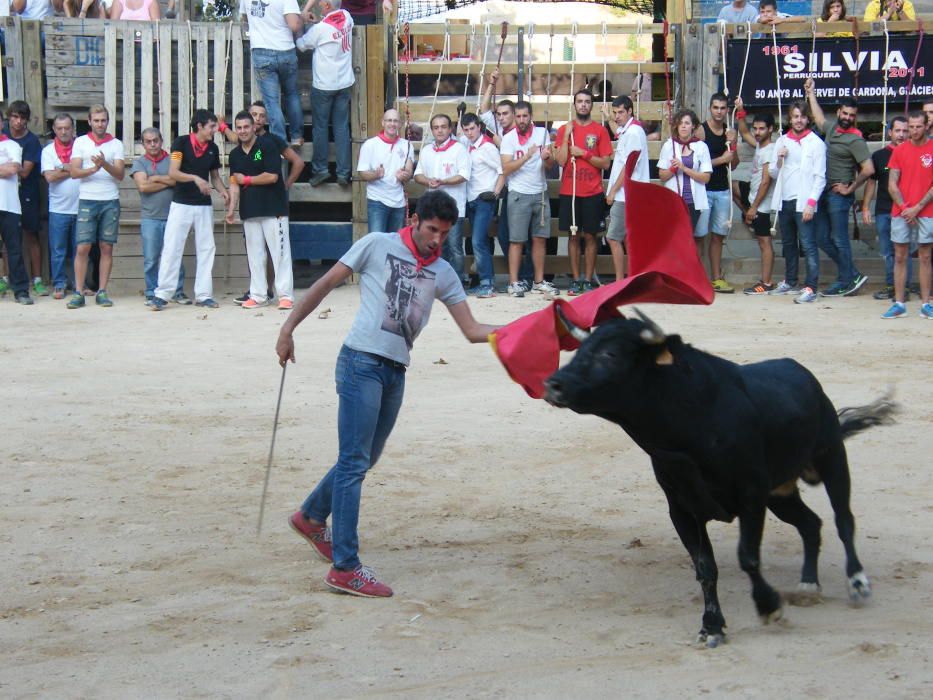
401 274
738 12
156 188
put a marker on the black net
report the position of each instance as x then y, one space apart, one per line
418 9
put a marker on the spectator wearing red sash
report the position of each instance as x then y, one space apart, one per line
63 203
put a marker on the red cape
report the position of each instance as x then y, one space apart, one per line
663 268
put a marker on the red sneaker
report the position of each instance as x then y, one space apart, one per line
318 536
361 581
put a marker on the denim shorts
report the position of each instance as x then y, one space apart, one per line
616 229
921 232
716 218
98 221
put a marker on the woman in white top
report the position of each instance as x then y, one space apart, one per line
685 166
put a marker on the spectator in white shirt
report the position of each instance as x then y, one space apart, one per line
331 79
273 25
445 165
385 165
63 202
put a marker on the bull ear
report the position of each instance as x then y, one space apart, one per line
664 358
652 335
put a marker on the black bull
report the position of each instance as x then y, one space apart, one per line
725 441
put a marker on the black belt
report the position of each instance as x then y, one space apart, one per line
385 360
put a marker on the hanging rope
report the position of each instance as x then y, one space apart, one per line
405 38
573 65
482 71
913 67
466 82
159 72
748 47
573 159
605 68
529 37
504 33
884 98
550 58
777 75
730 123
854 21
225 161
445 56
667 77
638 75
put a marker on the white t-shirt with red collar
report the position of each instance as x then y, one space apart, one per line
446 161
485 164
10 152
63 195
530 178
631 138
392 156
101 186
332 41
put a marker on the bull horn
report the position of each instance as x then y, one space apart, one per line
575 331
653 335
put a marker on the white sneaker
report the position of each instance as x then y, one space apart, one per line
545 287
517 290
807 296
784 288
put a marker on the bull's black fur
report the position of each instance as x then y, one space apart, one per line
725 441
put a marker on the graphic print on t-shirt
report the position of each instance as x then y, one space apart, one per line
409 294
258 8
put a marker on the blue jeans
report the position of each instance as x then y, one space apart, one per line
370 390
794 229
383 218
330 108
277 72
480 214
527 270
453 248
833 233
62 244
152 231
883 225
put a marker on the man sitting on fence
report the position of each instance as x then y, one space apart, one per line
194 165
97 161
63 202
332 78
256 185
273 26
156 188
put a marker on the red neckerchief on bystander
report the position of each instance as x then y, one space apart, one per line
336 19
482 140
423 261
523 138
794 137
102 141
199 148
382 135
162 156
63 151
440 149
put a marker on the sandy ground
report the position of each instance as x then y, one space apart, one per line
530 548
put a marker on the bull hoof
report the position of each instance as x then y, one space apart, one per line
859 587
711 641
772 616
806 595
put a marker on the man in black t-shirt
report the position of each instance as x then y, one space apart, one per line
878 182
195 164
256 185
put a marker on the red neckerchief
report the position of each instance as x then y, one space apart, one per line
386 139
61 150
440 149
522 140
684 143
850 130
483 140
508 130
162 156
3 137
793 137
199 148
105 139
336 19
409 242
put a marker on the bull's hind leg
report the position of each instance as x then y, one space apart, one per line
767 600
788 506
693 535
833 466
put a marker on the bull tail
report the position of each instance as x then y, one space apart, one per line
858 418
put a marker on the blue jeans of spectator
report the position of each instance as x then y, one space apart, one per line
370 391
277 74
330 108
152 232
527 270
62 244
480 213
883 226
833 233
794 229
383 218
453 248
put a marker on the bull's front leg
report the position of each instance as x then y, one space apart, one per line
751 524
692 533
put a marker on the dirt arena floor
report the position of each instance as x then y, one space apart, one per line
529 548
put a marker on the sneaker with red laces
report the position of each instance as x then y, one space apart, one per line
318 536
285 304
361 581
253 304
